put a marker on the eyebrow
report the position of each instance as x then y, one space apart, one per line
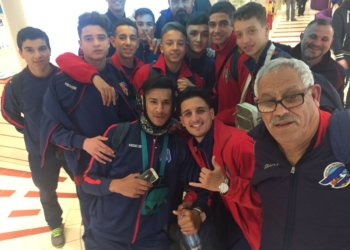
271 94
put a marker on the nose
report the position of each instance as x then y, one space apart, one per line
37 54
159 107
175 46
181 5
127 41
217 28
245 38
317 42
96 42
280 110
199 38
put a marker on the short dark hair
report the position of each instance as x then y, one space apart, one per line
319 21
31 34
92 18
250 10
122 22
222 7
192 92
144 11
160 82
198 18
174 26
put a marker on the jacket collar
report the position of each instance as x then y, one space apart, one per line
161 64
116 62
250 63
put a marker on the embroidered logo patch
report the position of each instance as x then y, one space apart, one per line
124 88
168 156
70 86
336 175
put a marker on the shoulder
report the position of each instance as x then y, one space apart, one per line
279 53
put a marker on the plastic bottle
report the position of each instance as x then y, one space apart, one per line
192 242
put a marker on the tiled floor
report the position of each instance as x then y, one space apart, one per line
22 223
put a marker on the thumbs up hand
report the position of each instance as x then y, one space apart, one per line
210 179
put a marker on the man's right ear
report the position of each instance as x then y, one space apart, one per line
301 36
20 52
256 99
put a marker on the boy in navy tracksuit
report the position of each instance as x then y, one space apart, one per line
74 116
124 215
24 94
302 182
196 58
145 22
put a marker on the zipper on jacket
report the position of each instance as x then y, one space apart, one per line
291 210
143 198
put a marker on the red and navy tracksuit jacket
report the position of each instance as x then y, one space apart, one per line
31 103
73 111
117 218
81 71
305 206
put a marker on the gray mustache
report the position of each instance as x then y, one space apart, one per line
288 118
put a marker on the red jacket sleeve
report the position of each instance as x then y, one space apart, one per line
141 76
227 116
191 196
242 169
199 81
76 67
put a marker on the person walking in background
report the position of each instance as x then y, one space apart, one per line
290 10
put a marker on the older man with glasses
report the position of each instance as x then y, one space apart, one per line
301 181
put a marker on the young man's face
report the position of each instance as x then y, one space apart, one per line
316 41
94 42
36 53
144 24
116 5
196 117
198 37
220 28
159 106
176 5
125 41
251 36
173 46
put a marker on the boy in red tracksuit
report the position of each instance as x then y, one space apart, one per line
226 91
171 62
225 155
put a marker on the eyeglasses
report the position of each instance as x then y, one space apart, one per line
288 102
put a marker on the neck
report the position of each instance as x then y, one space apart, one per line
258 54
193 55
144 43
41 72
294 151
118 13
311 62
99 65
126 62
174 67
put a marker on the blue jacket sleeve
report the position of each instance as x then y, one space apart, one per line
57 127
11 108
95 179
189 172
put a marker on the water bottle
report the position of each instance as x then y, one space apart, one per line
192 242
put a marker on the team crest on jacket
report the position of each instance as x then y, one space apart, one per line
124 88
336 175
168 156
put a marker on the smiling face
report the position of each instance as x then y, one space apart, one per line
220 28
173 46
94 43
252 37
125 42
159 106
197 117
316 42
294 124
36 54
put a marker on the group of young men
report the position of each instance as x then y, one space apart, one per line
168 105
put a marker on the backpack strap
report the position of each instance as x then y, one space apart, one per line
339 135
17 87
152 71
119 135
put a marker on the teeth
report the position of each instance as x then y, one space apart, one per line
196 126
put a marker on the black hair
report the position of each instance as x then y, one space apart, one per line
92 18
122 22
223 7
198 18
158 82
31 34
319 21
250 10
144 11
174 26
192 92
